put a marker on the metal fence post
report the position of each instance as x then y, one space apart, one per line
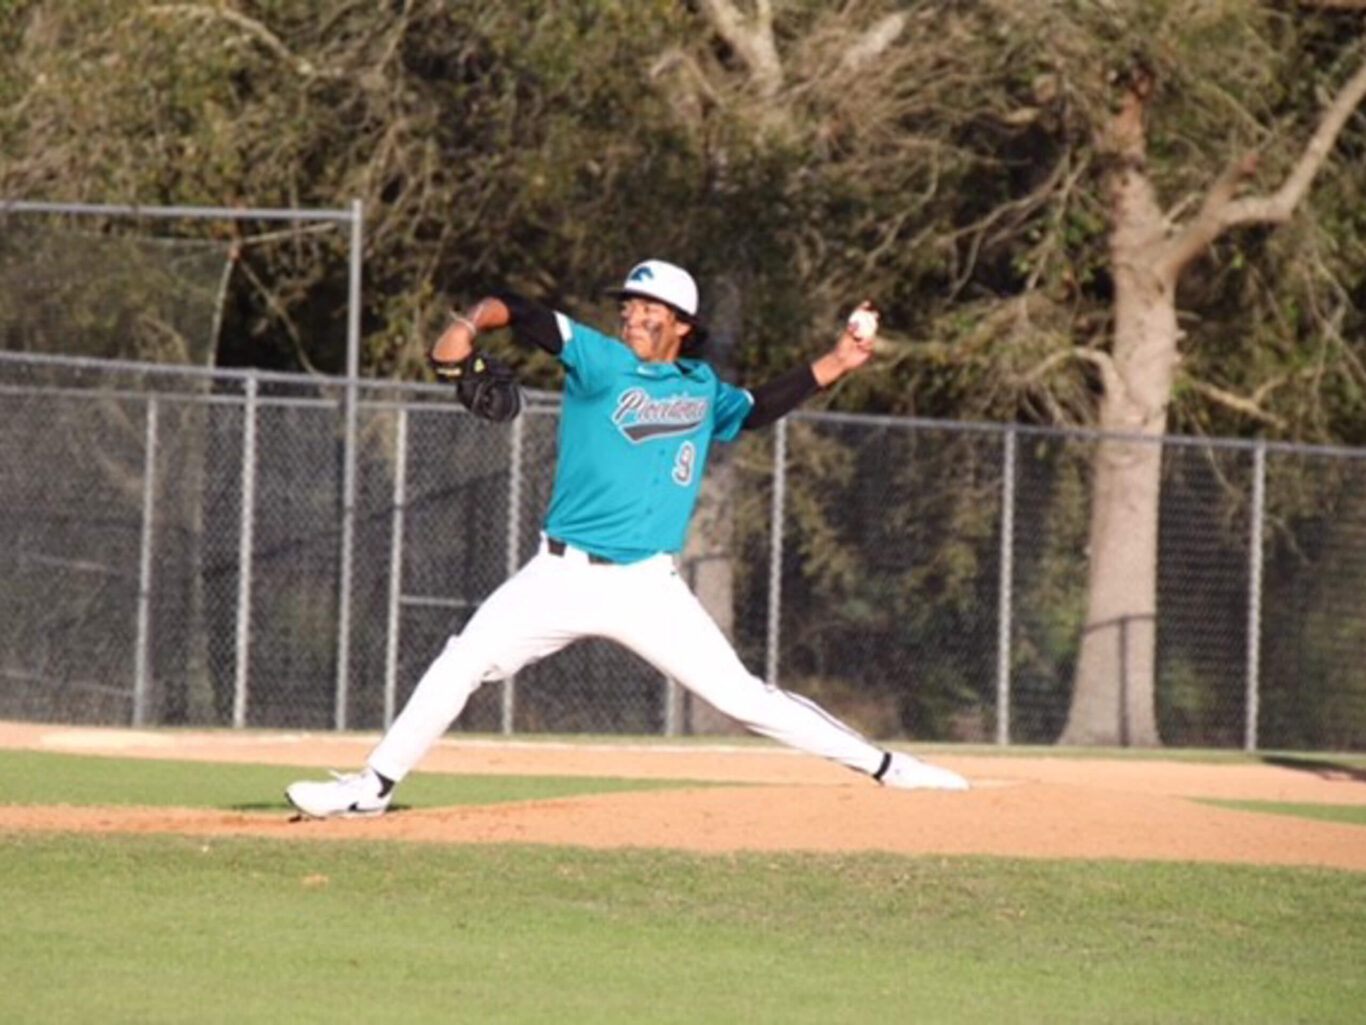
775 555
396 565
348 498
509 704
1254 595
141 673
245 544
1007 589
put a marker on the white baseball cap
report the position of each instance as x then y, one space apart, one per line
663 281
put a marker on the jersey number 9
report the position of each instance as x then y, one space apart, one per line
684 464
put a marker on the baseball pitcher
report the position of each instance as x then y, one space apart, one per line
639 415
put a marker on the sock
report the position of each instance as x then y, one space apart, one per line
886 764
385 784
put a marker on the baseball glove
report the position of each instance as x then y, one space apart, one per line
484 386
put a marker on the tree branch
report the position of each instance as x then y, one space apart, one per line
1101 360
251 26
694 93
1234 402
752 40
874 43
1221 211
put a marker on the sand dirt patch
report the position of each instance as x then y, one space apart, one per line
1142 809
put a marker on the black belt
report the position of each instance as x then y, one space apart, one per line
556 547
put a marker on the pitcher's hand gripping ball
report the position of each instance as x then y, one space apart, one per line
863 323
484 386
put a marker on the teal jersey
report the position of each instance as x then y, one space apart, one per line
633 445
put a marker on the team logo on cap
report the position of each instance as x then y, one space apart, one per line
643 418
641 273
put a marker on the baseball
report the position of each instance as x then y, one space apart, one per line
863 324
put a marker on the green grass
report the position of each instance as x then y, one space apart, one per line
167 929
1355 814
43 778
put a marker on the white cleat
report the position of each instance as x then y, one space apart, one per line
907 773
347 795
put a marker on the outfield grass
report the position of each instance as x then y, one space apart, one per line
166 929
1354 814
44 778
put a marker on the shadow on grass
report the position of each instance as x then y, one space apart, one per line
285 806
1320 767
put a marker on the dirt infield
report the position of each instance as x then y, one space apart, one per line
1065 807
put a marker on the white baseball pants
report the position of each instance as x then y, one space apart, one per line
556 599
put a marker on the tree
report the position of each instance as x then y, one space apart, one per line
483 148
1150 249
1097 262
963 163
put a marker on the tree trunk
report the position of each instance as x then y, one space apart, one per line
1113 698
1112 702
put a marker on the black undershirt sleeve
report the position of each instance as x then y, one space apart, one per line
532 323
780 396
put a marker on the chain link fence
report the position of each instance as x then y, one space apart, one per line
174 554
189 546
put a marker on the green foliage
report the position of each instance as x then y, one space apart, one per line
11 39
71 289
954 177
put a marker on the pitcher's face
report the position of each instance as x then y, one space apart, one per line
653 330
